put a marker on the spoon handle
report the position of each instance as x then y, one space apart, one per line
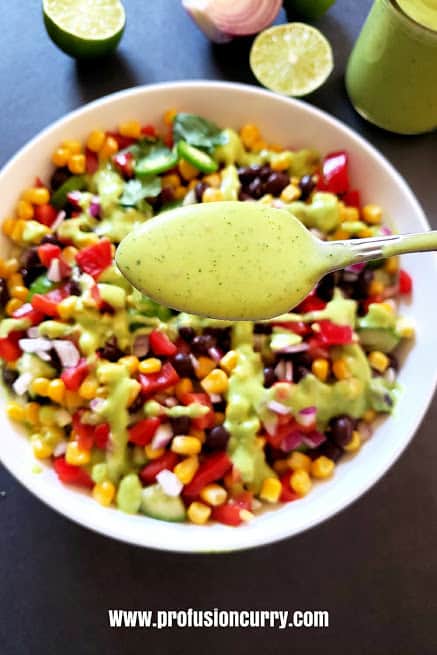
354 251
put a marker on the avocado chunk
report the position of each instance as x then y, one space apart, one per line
158 505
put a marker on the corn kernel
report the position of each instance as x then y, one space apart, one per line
378 360
15 411
215 382
214 494
153 453
184 445
77 164
17 232
249 135
131 362
387 306
36 196
187 170
299 462
199 434
192 184
56 390
212 195
280 466
219 418
245 515
355 443
73 145
229 361
150 365
300 482
11 266
341 369
405 328
72 400
61 156
47 415
198 513
95 140
130 129
186 469
281 162
266 199
40 386
88 388
169 116
213 180
391 265
320 368
24 210
349 214
104 492
77 456
322 467
40 448
275 147
369 416
290 193
204 366
259 145
372 214
67 307
8 226
109 148
376 288
134 390
271 490
365 233
12 305
19 291
183 387
69 254
31 413
171 180
180 192
340 235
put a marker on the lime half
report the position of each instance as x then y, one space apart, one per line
292 59
84 28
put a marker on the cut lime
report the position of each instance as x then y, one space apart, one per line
292 59
84 28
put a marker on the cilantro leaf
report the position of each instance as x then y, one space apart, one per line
136 190
197 131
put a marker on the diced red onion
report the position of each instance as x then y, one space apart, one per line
350 276
162 437
67 352
96 404
33 332
306 416
170 483
221 20
313 439
270 424
355 268
60 449
278 408
95 207
215 354
74 198
54 272
284 370
141 345
298 348
43 354
22 383
215 397
385 230
60 218
170 402
34 345
292 440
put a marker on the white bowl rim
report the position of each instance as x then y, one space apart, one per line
239 539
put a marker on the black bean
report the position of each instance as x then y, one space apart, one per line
341 429
221 335
166 195
269 376
306 185
74 288
256 188
248 173
243 196
303 359
181 424
187 334
9 376
325 288
202 343
50 238
262 328
111 351
265 172
31 258
137 404
299 372
220 406
331 450
183 365
217 438
55 361
29 275
199 189
4 292
394 363
58 178
363 283
276 182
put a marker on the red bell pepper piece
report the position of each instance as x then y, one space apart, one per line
287 493
335 176
94 259
161 344
125 163
45 214
168 138
101 435
69 474
331 334
47 252
405 282
84 433
143 432
9 348
243 500
47 303
122 141
212 468
311 303
298 327
352 199
202 422
27 311
75 375
229 514
167 461
165 378
149 130
91 161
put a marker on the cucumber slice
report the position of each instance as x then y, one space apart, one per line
384 339
158 159
197 157
156 504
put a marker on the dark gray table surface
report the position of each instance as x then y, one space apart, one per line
374 566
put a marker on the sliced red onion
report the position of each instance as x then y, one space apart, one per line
67 352
313 439
292 440
298 348
306 416
141 345
60 449
215 354
284 370
162 437
221 20
22 383
54 272
95 207
278 408
60 218
385 230
74 198
170 483
33 332
34 345
355 268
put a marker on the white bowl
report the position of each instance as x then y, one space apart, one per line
288 122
